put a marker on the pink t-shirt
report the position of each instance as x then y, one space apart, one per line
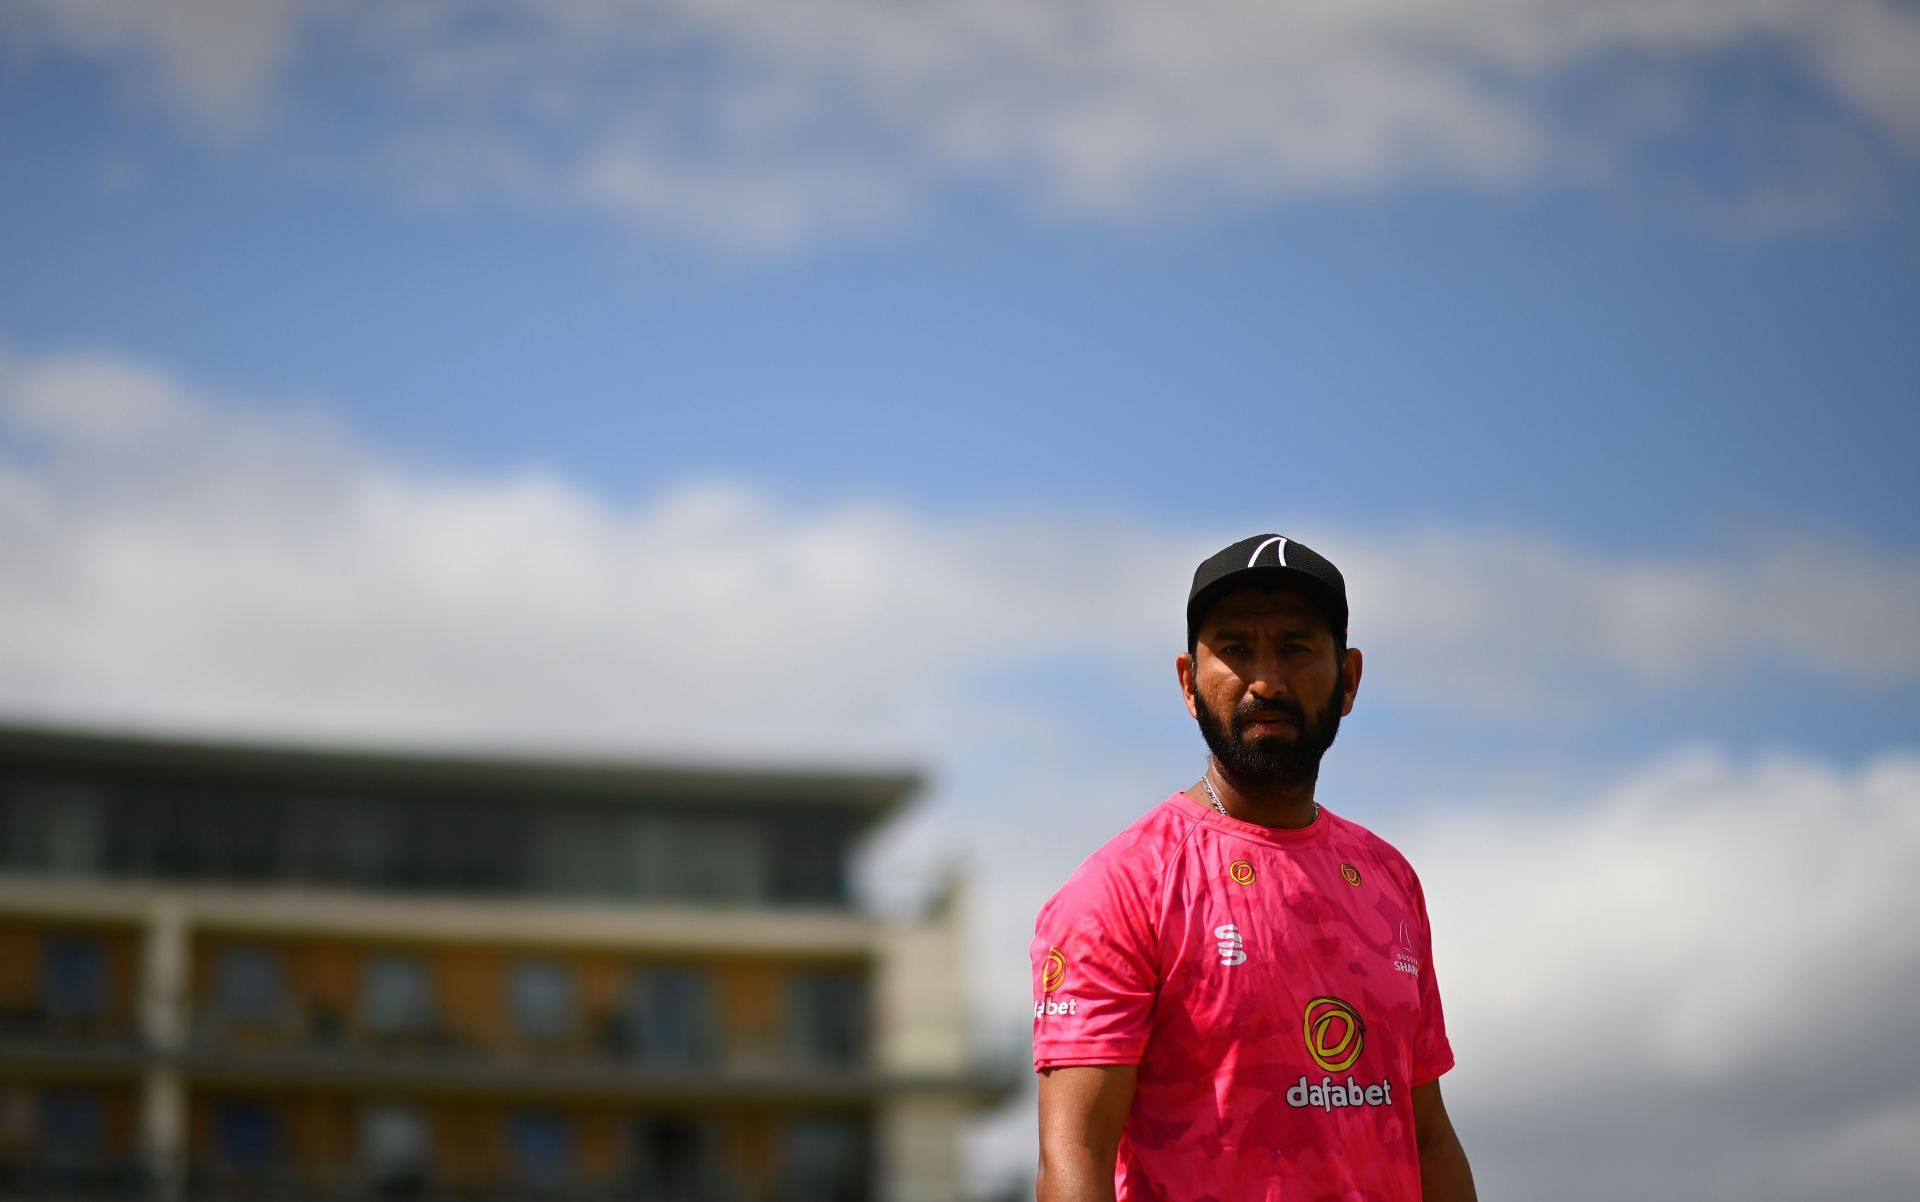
1275 988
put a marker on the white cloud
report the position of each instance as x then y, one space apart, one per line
173 561
761 124
1502 622
176 559
1693 986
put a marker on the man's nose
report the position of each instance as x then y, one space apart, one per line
1265 683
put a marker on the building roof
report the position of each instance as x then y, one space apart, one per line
866 793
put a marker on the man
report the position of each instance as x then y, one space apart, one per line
1234 998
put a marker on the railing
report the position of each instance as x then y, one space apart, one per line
125 1181
29 1180
608 1043
38 1024
109 1042
606 1059
212 1187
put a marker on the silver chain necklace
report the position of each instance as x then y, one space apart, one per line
1206 782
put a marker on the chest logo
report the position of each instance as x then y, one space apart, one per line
1240 872
1233 949
1334 1033
1351 873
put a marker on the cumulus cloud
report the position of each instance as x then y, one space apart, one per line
180 561
759 124
1502 621
175 557
1691 986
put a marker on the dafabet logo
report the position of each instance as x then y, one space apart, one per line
1334 1037
1055 971
1053 974
1334 1033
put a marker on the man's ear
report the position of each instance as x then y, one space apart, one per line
1183 667
1353 663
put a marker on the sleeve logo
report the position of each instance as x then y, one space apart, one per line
1240 872
1054 973
1351 873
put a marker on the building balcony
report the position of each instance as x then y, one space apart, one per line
31 1179
606 1062
32 1037
28 1180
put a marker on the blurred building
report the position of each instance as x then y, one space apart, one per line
236 971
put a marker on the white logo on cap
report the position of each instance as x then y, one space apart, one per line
1279 552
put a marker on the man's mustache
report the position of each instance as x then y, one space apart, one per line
1265 711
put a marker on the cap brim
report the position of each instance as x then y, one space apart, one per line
1316 590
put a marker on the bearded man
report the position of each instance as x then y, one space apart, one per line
1234 998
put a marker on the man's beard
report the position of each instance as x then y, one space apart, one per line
1271 761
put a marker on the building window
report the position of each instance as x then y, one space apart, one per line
396 995
249 986
810 868
720 860
825 1160
540 1144
471 845
541 999
672 1016
73 977
676 1158
73 1128
51 826
347 840
828 1016
581 854
396 1148
247 1138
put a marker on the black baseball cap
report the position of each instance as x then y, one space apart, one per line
1268 561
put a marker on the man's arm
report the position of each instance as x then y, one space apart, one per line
1082 1110
1444 1175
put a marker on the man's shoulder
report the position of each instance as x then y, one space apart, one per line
1137 857
1382 851
1144 845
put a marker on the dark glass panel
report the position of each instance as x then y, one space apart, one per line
73 977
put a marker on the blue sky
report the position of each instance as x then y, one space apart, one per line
1607 372
559 375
